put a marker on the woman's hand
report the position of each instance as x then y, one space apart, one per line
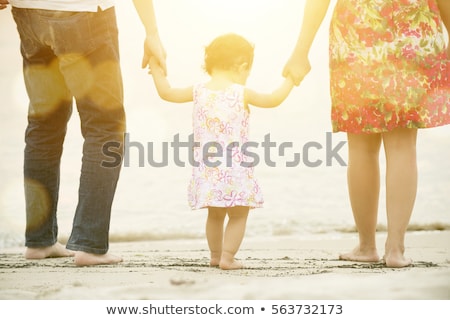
297 67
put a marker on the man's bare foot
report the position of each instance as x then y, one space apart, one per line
359 255
83 259
396 260
55 251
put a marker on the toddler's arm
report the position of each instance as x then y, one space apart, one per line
270 100
165 91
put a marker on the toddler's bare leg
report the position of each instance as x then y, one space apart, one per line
214 233
234 234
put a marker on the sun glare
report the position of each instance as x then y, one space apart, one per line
249 9
247 16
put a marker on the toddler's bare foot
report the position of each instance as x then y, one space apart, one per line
90 259
215 259
231 265
369 255
396 260
55 251
214 262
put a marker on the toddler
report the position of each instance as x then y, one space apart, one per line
223 179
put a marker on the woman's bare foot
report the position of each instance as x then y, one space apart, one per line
396 260
83 259
55 251
359 255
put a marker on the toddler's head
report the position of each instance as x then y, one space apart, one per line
228 52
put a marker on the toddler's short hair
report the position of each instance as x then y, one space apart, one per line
227 51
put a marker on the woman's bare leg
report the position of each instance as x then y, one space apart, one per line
401 189
363 176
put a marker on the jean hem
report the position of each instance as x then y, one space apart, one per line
31 244
75 247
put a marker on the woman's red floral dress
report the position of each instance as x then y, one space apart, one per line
388 66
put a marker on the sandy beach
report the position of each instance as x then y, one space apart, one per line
292 245
280 268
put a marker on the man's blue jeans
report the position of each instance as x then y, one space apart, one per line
70 56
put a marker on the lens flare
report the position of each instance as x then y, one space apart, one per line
38 204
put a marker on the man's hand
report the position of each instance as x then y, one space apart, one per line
153 48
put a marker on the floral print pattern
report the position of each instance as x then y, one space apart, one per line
388 66
222 174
